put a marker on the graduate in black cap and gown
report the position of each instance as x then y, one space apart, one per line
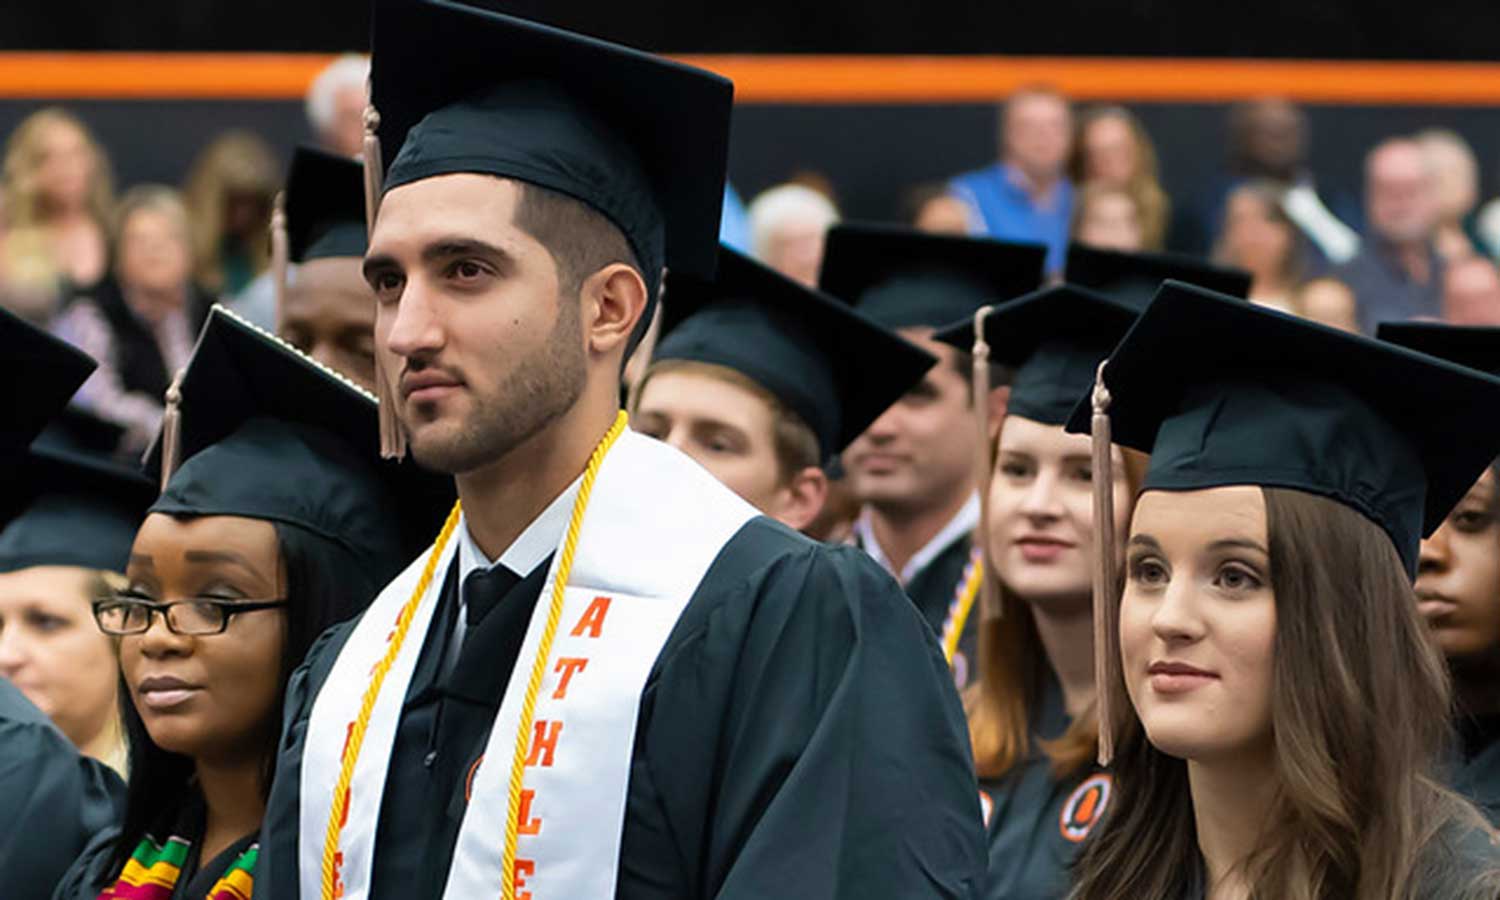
324 306
764 381
913 468
1271 704
67 546
279 521
1031 706
609 676
1031 713
62 797
1458 581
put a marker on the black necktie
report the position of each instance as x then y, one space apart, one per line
483 589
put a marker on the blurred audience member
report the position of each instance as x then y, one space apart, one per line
229 192
1268 140
336 104
59 192
1455 173
1329 301
1471 292
1026 196
1260 238
1398 274
933 208
1112 148
141 324
1110 218
787 226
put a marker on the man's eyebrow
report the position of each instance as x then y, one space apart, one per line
440 249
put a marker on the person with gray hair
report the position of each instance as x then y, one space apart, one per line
787 225
336 104
1398 273
1456 174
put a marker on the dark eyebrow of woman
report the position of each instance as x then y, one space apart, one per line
221 556
1239 544
141 559
1144 540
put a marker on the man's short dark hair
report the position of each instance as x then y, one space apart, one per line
581 240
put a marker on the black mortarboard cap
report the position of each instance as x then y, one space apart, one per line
47 371
904 278
641 139
1054 340
325 206
1474 346
832 366
1222 392
72 509
267 433
1134 277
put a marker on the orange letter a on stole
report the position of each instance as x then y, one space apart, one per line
592 620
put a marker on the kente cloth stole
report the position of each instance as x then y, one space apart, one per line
153 870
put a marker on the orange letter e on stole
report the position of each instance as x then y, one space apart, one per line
524 867
592 620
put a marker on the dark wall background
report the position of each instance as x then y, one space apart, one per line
872 154
1391 29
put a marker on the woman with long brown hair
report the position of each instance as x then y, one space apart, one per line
1030 710
1458 582
1272 706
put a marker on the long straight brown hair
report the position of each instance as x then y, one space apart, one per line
1013 666
1359 708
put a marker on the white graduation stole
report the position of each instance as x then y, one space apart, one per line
655 523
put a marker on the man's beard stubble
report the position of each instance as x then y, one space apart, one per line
538 391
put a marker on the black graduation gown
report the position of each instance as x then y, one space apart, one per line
1476 773
1037 823
933 588
52 799
799 735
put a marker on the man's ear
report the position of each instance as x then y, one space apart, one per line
613 299
803 498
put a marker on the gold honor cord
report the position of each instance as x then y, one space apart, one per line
539 663
958 616
533 685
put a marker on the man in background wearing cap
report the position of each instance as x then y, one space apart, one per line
609 677
914 467
762 381
325 308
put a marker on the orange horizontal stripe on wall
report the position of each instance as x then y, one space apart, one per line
813 79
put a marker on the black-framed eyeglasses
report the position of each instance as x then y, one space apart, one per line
122 614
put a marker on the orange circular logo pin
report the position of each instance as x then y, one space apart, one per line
1085 806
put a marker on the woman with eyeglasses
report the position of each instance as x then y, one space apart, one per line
273 529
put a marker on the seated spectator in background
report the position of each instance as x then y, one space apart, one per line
1107 217
1398 274
1268 139
140 324
229 193
68 543
1111 148
1455 172
327 309
1260 238
59 195
1026 196
1471 293
934 209
336 104
1487 228
787 226
1329 301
